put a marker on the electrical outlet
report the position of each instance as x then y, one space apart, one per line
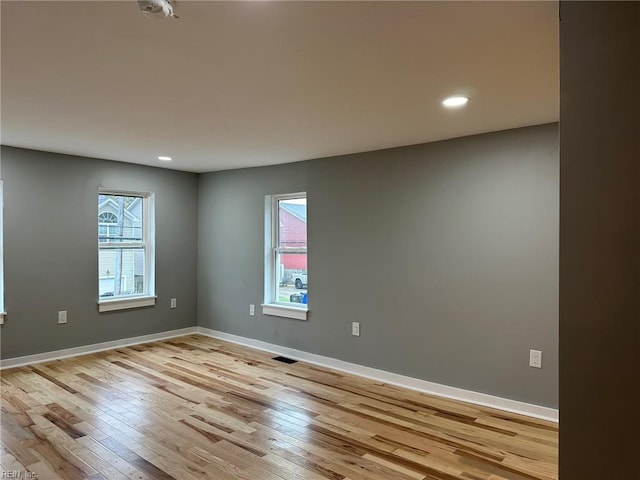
252 309
62 316
174 303
535 358
355 329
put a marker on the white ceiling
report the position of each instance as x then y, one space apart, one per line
238 84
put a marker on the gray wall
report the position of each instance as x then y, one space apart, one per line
447 253
599 240
50 248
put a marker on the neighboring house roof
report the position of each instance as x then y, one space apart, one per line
297 210
131 211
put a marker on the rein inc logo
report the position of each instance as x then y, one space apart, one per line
18 474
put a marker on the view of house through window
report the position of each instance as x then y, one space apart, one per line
290 249
123 245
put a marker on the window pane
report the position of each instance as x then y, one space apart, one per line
292 219
291 278
127 264
120 218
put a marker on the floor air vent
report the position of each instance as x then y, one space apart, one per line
284 359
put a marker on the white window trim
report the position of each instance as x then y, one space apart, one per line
270 305
148 224
123 303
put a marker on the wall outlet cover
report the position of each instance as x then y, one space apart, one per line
535 358
355 329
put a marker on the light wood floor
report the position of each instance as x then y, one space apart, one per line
196 407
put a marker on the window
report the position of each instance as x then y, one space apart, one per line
107 226
286 274
125 250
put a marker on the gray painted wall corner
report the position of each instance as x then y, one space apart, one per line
50 242
446 253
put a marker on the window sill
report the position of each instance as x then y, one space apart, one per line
126 303
296 313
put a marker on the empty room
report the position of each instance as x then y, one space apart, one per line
319 240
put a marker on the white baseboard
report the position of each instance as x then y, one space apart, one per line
93 348
424 386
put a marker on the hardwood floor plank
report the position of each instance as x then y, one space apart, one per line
201 408
9 463
136 461
120 464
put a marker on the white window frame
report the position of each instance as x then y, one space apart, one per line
148 298
271 220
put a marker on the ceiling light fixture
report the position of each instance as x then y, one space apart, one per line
165 159
157 9
457 101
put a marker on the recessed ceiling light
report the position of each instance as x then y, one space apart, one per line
165 159
456 101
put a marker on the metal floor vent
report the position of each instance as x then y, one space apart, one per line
284 359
